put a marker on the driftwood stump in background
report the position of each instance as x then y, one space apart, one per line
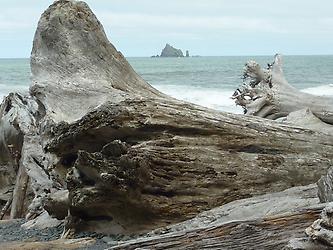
266 93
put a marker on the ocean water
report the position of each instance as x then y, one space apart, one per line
207 81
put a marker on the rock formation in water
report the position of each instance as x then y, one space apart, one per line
187 53
104 149
170 51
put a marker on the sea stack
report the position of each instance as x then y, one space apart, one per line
187 53
170 51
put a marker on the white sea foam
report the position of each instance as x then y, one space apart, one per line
2 96
322 90
218 99
214 98
6 89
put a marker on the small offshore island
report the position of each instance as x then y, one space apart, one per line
170 51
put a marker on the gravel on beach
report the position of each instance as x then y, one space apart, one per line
11 231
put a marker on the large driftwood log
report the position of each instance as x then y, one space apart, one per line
269 234
175 164
131 158
272 221
264 222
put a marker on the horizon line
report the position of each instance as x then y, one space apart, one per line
196 56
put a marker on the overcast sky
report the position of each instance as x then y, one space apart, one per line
205 27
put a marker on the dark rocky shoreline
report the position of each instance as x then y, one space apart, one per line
11 231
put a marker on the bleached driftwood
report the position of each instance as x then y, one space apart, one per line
305 118
19 194
6 207
272 221
132 158
264 222
266 93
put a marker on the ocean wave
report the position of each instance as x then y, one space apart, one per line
322 90
218 99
